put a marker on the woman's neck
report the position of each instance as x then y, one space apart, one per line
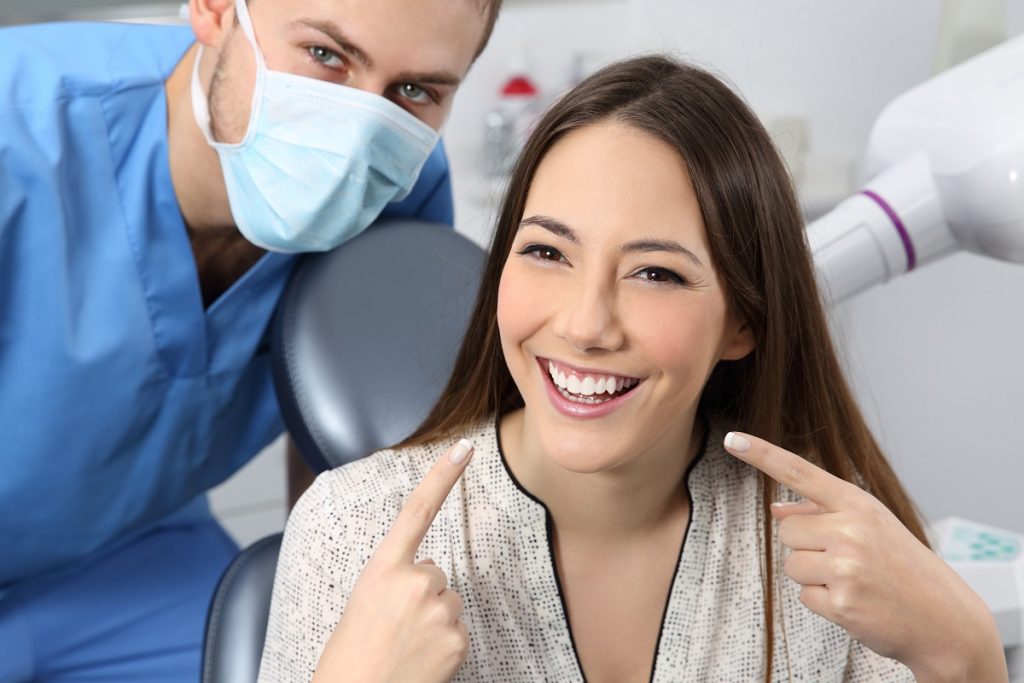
627 503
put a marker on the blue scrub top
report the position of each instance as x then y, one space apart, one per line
121 398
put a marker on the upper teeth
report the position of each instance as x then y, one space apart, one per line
589 385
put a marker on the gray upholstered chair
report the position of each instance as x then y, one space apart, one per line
363 343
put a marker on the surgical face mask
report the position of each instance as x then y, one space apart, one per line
319 160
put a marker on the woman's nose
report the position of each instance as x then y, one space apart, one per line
588 320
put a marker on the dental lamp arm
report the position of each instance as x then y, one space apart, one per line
947 166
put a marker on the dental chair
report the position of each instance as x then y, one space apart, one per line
363 342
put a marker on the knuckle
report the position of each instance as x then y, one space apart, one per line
458 605
790 530
851 534
437 615
422 584
878 513
463 632
843 604
789 566
797 471
421 508
846 568
453 640
786 531
459 643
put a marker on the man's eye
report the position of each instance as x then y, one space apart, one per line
656 274
542 251
415 93
326 57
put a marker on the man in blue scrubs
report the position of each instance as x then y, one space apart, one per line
152 199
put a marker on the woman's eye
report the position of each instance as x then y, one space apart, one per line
415 93
655 274
326 57
543 252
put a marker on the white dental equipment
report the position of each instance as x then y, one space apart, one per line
946 168
991 561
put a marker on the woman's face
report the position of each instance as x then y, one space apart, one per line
611 314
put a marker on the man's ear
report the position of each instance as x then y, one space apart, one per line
211 20
739 344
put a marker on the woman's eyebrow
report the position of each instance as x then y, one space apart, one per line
672 246
636 246
553 225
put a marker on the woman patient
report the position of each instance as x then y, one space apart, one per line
603 508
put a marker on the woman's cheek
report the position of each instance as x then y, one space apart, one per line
516 307
673 336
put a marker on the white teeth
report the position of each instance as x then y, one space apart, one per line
589 400
590 385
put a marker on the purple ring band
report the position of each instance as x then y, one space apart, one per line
908 246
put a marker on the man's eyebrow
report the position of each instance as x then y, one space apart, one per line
331 30
636 246
552 225
647 245
429 78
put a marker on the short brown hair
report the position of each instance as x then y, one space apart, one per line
491 7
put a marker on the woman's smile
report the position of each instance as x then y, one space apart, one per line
580 393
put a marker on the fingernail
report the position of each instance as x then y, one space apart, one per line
785 504
734 441
461 450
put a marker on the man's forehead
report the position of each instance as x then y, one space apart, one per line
444 35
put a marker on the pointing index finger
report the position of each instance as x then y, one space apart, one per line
420 509
795 473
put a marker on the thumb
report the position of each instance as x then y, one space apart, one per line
785 509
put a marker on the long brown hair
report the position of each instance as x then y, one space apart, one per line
790 390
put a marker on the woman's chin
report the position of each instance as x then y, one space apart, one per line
581 453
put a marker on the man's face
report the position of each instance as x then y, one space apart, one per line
413 52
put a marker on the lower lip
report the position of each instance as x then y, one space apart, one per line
572 408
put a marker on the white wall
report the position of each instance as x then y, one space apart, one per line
935 358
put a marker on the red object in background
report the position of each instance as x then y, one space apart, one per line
519 85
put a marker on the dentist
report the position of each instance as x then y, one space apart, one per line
156 184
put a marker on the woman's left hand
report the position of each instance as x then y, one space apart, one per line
860 568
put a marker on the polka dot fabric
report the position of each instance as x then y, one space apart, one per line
492 539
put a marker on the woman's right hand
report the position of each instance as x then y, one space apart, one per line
402 622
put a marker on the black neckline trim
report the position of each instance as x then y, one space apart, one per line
548 528
508 470
549 525
682 546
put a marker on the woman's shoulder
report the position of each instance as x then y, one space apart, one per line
391 473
